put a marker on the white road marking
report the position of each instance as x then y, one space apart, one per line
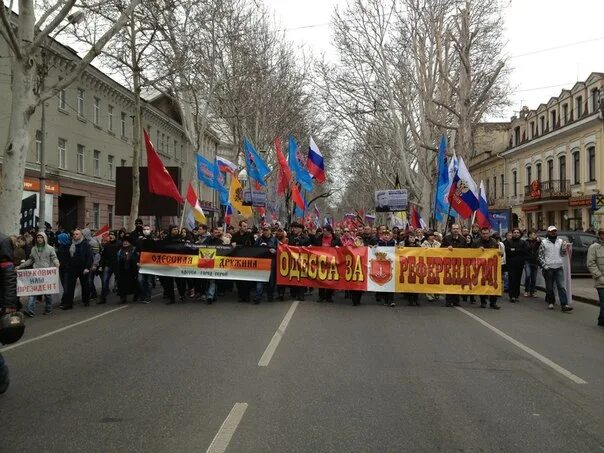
563 371
225 433
62 329
272 346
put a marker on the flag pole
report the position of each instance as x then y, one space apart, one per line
182 216
447 222
473 219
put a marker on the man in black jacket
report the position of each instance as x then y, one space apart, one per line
214 240
516 253
168 282
243 238
297 238
80 263
326 239
487 242
109 263
454 241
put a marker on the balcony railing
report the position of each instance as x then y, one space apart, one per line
547 190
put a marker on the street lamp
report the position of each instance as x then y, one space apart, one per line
73 19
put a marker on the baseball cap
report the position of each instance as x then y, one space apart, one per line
552 228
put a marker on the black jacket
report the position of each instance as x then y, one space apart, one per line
214 241
109 254
457 243
532 248
245 239
82 257
490 243
299 241
516 252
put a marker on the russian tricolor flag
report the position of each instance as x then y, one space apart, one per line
315 164
226 166
463 193
482 215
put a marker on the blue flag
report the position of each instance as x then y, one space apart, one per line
301 173
205 171
219 181
256 167
441 205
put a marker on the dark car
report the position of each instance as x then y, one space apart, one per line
580 242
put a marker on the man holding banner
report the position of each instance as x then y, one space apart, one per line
42 256
487 242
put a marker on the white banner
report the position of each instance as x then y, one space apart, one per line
32 282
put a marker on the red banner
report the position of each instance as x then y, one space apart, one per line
323 267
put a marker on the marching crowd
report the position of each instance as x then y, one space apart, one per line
82 257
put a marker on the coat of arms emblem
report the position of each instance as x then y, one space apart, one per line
206 258
380 269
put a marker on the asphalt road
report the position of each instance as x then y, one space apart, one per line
148 378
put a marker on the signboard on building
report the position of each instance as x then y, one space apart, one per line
501 219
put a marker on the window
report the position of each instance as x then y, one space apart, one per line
163 139
182 152
579 106
110 118
488 187
80 159
96 215
517 135
565 113
123 163
595 95
38 147
157 141
97 111
550 170
123 123
553 117
529 175
542 124
175 148
80 102
62 153
576 167
494 186
96 163
110 166
538 167
515 183
562 169
502 181
110 215
591 163
532 129
62 99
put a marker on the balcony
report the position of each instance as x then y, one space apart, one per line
555 189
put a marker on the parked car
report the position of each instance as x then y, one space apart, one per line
580 242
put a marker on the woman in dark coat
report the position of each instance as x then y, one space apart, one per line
127 270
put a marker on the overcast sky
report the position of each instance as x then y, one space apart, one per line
532 27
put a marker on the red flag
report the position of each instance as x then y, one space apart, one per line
160 181
285 180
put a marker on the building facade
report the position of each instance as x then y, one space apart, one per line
546 164
88 135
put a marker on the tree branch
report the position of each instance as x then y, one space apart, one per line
54 23
92 53
12 40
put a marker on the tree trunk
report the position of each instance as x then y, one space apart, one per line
17 145
136 128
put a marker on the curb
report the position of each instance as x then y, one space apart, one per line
587 300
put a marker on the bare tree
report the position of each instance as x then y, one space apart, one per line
26 36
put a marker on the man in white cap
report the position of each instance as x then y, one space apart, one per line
551 251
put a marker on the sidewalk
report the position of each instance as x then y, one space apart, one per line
583 291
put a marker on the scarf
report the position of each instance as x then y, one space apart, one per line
72 247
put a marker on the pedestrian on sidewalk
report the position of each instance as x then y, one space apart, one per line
551 251
42 255
595 265
530 268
